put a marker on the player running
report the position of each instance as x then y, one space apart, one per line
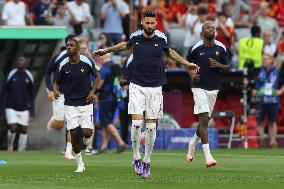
74 75
212 57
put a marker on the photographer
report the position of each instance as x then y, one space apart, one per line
269 89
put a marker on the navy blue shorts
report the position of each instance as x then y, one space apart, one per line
106 112
269 110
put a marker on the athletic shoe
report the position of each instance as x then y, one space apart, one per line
69 157
211 163
190 154
138 166
121 148
80 169
100 151
49 124
88 151
146 170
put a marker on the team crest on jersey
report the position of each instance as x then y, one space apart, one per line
82 70
156 45
217 53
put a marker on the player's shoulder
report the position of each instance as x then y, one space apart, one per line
11 74
63 63
196 46
30 75
87 60
60 56
136 34
220 44
162 35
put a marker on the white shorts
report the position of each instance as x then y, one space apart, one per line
58 108
204 101
19 117
79 116
148 99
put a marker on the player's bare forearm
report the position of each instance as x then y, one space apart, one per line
96 84
55 87
226 68
172 54
117 48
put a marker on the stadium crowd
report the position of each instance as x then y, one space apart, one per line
248 28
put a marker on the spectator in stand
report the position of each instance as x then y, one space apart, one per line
266 22
269 46
225 34
80 15
62 18
102 42
196 28
40 12
187 21
241 14
176 10
273 8
227 10
112 13
268 87
14 13
210 5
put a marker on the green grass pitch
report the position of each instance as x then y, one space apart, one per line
237 168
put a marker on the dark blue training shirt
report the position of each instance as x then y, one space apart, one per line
200 54
18 90
76 80
107 90
126 68
52 67
148 69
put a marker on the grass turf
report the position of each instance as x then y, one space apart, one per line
253 169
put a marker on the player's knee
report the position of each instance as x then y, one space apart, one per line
24 130
137 124
87 133
57 124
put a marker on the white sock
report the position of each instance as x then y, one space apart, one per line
150 137
206 151
136 137
194 140
11 138
79 160
90 142
68 148
22 142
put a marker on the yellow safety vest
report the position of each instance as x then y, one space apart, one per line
250 48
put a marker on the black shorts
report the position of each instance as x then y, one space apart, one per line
268 110
106 112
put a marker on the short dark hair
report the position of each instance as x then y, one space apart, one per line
255 30
68 37
75 41
202 11
149 13
202 29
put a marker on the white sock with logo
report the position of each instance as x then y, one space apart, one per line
136 137
150 137
79 160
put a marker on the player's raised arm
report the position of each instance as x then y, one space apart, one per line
172 54
116 48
